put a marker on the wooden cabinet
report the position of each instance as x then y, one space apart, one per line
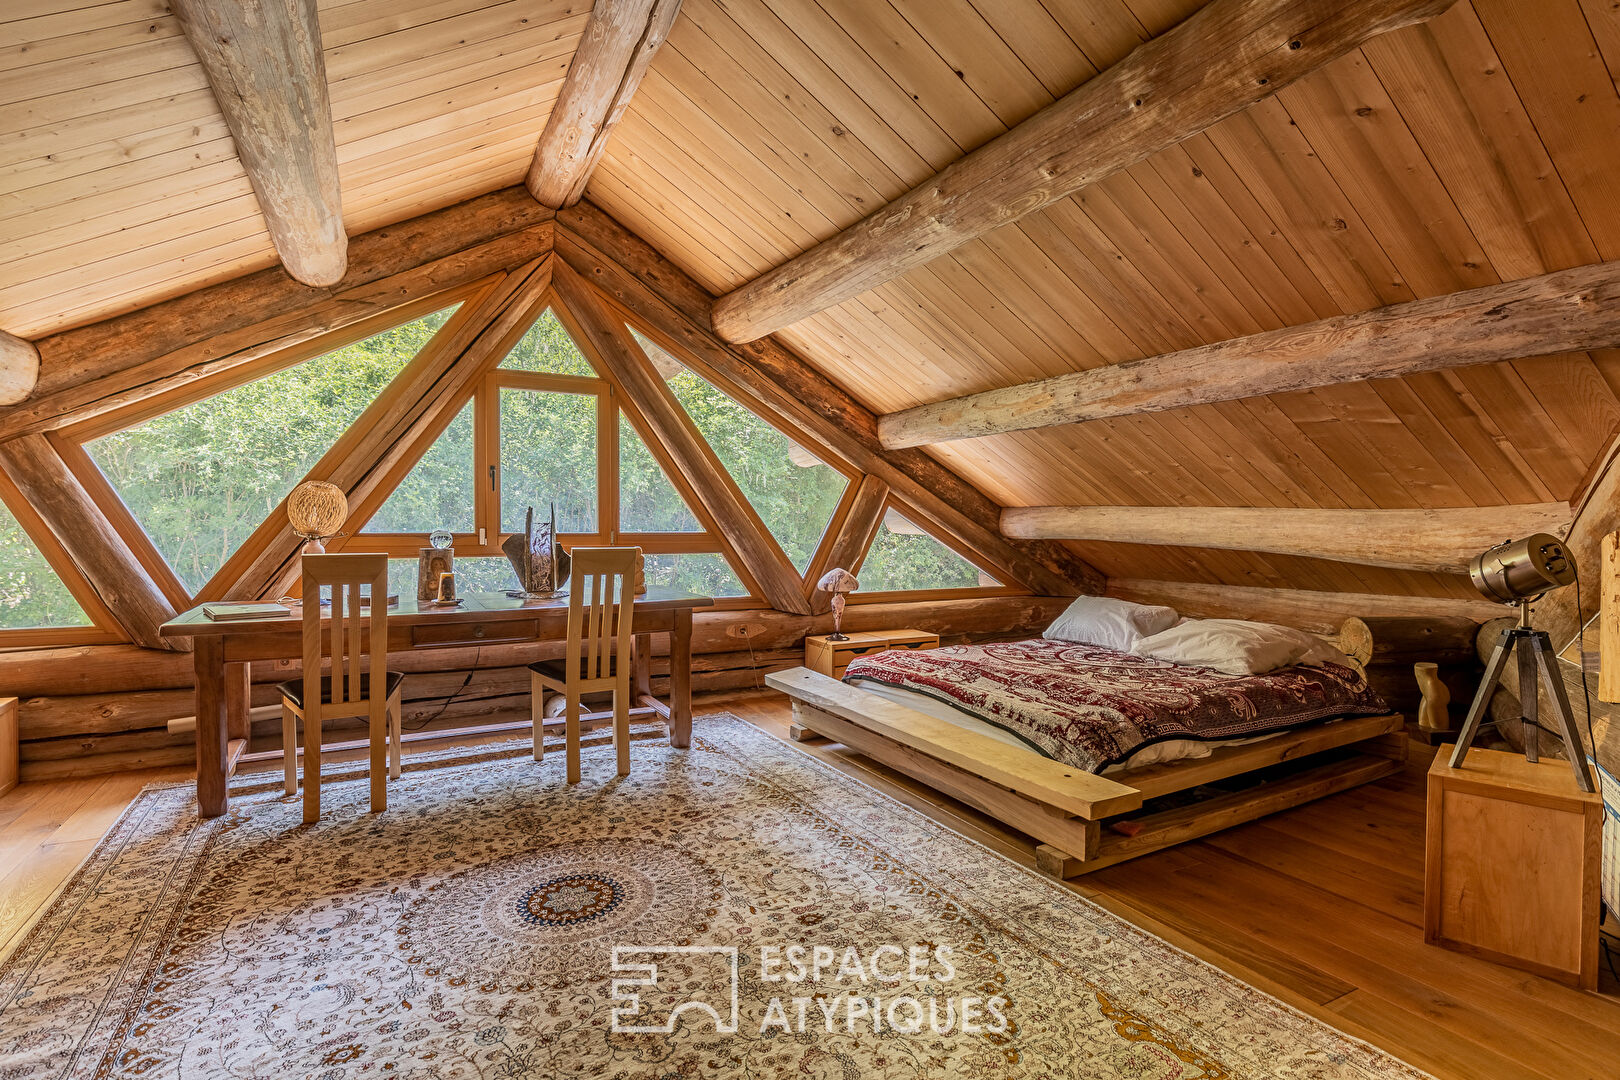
832 657
1512 864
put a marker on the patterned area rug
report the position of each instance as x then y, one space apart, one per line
734 910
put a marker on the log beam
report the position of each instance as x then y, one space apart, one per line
618 46
89 538
19 368
1439 541
775 381
1567 311
610 343
264 61
1302 608
1226 57
90 369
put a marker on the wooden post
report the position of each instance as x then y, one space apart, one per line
615 52
1227 56
265 63
213 730
680 679
1608 688
238 699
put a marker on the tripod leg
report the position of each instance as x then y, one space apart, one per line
1482 700
1529 703
1554 682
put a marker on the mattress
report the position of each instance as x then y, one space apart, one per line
1157 754
1093 708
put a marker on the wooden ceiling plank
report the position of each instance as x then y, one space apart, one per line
1433 540
781 383
619 44
265 64
1108 124
1560 312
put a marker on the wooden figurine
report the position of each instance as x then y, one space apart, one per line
1433 715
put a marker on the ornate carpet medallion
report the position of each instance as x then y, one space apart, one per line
733 910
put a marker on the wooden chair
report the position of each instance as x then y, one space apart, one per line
357 653
601 591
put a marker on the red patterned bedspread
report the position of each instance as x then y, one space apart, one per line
1092 707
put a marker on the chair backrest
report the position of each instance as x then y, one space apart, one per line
352 652
601 590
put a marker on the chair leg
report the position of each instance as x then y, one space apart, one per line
378 732
312 768
572 734
396 747
537 714
621 726
289 748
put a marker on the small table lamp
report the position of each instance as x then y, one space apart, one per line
838 582
317 510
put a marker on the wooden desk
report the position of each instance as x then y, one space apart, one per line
224 651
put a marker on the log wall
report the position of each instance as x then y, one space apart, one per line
90 710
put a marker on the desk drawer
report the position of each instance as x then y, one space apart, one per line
475 633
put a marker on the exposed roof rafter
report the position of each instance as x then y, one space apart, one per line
1224 58
1440 541
619 44
1568 311
264 60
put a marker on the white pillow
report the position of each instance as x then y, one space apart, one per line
1237 647
1110 623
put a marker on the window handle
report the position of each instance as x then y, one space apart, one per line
492 478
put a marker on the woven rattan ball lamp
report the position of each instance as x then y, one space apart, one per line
317 510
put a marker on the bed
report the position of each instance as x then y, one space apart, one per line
1179 753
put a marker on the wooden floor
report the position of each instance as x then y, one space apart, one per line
1320 905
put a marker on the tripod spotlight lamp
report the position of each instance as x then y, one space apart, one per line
1518 573
316 511
838 582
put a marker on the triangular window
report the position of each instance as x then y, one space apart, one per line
548 348
792 490
905 558
437 493
32 594
648 501
200 479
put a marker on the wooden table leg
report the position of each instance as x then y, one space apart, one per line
680 679
238 700
641 671
213 734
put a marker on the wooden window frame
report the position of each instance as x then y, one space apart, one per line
103 628
487 537
890 596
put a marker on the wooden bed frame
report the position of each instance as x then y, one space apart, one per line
1085 821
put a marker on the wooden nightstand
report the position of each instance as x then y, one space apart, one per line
832 657
1512 868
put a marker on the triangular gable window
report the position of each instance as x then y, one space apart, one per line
905 558
793 491
201 478
32 594
437 493
648 501
548 348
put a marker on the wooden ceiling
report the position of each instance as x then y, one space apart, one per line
1476 148
119 183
